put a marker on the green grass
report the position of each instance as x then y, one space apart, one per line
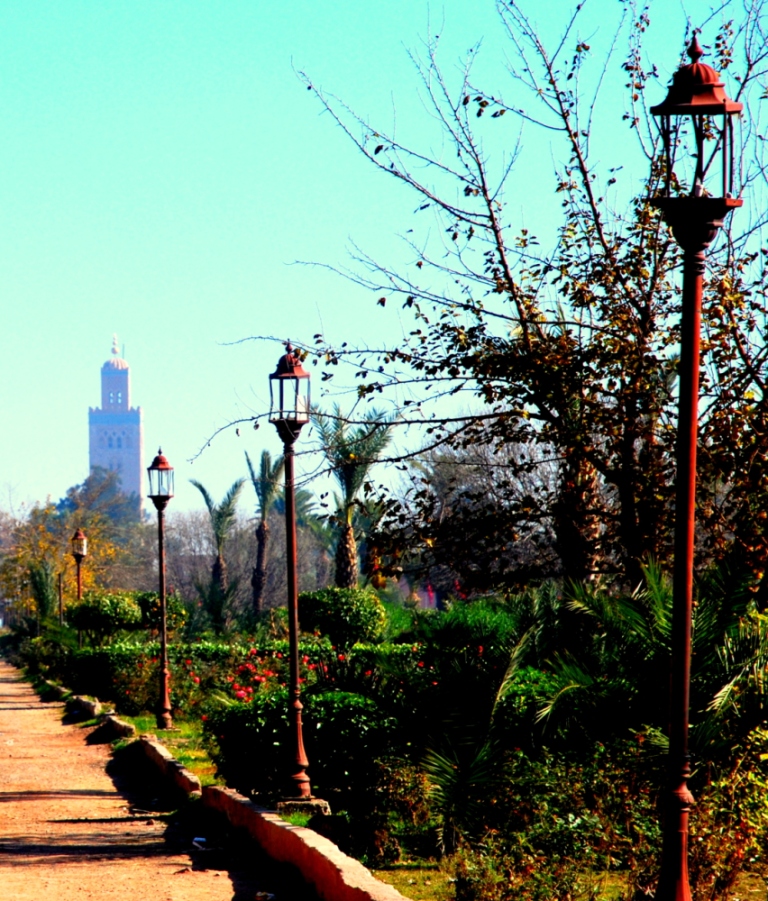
418 880
184 741
296 819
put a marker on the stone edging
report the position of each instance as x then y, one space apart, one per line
83 706
334 875
170 767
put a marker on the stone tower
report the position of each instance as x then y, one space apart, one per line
116 433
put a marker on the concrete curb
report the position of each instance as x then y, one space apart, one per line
181 777
117 727
89 709
57 691
334 875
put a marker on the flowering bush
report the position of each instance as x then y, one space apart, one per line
202 673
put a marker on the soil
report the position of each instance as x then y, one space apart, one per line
75 824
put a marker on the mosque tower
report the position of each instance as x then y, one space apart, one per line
116 433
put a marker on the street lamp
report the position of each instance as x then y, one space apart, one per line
696 124
160 492
79 552
289 412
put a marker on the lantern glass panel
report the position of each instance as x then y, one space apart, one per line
160 482
79 545
698 155
292 402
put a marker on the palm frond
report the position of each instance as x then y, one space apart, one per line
206 495
223 515
266 483
569 677
351 451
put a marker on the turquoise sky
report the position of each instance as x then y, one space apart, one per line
161 167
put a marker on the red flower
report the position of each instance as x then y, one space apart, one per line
196 680
420 663
240 694
342 657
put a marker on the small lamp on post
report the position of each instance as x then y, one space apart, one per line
160 492
79 552
289 412
696 118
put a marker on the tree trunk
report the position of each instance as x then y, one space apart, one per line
219 574
576 516
346 559
259 576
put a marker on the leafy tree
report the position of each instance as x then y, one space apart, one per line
42 540
350 452
568 347
101 493
266 484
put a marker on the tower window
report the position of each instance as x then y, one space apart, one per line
119 442
119 397
111 398
109 442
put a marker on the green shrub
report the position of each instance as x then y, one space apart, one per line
344 734
345 615
103 615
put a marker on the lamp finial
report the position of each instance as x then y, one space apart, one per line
695 50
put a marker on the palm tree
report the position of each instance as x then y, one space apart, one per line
266 484
222 521
41 583
351 452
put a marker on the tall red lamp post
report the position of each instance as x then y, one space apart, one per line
79 552
289 407
160 492
697 125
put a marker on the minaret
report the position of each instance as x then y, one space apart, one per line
116 434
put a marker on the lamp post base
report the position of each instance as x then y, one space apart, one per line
311 806
164 721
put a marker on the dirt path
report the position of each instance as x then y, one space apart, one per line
66 833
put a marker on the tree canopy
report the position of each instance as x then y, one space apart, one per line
559 359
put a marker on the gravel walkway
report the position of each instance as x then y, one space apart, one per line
67 833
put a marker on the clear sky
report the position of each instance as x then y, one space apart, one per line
161 167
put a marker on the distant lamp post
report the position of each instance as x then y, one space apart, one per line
696 124
160 492
289 412
79 552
